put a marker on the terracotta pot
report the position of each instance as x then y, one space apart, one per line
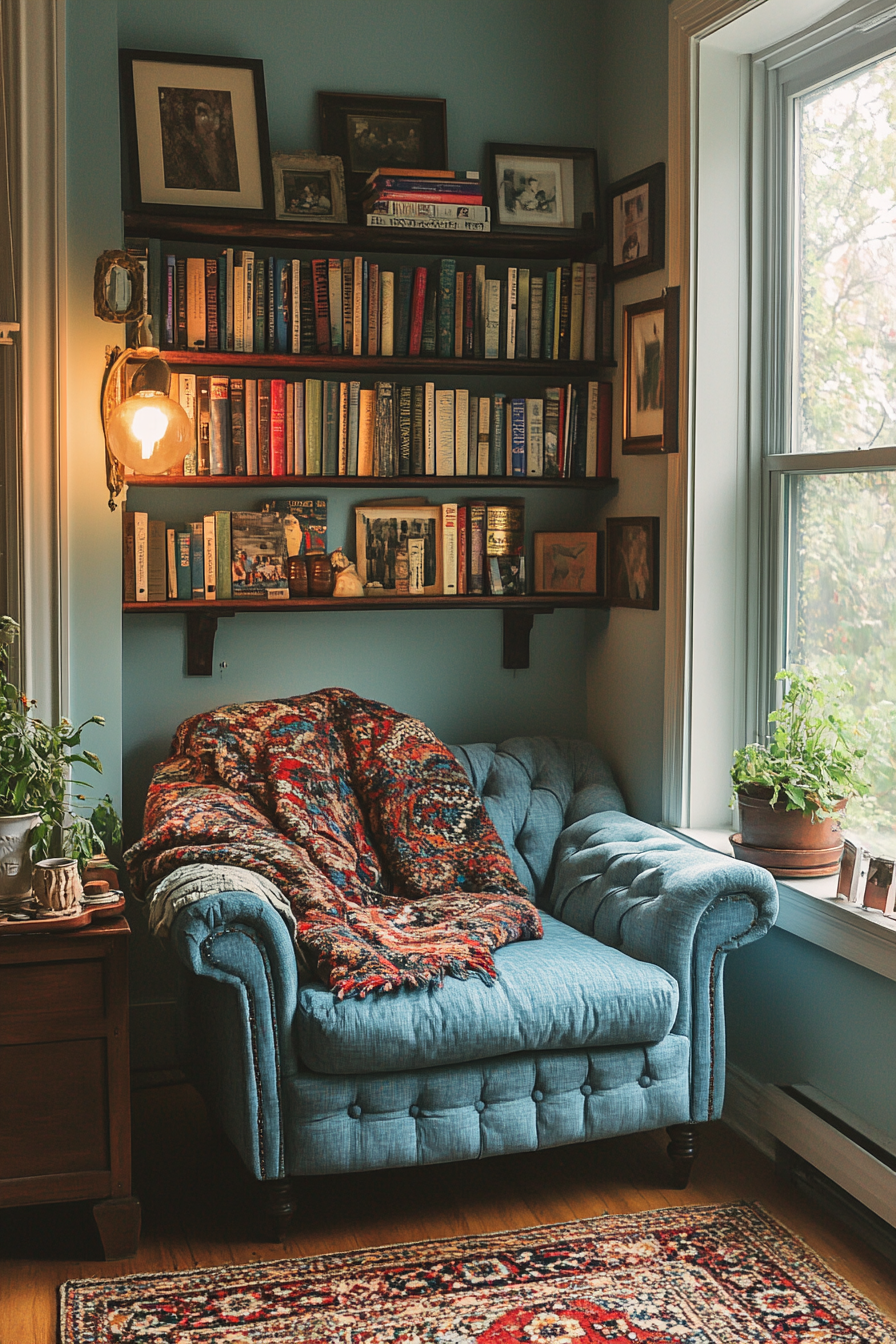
57 885
776 828
15 853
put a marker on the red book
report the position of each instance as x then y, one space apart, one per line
320 280
278 426
468 315
437 197
373 309
418 303
604 427
461 549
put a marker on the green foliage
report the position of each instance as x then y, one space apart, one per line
35 762
813 756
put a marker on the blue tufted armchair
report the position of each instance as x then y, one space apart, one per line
612 1023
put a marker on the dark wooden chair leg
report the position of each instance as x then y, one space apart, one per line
279 1204
118 1221
684 1145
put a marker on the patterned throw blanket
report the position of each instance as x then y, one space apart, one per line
361 817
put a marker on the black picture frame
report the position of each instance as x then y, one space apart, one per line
633 563
422 121
643 197
651 428
222 169
557 173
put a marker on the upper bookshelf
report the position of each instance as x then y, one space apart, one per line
353 237
403 364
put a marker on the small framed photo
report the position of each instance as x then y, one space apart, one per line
633 563
196 134
650 381
536 187
370 131
399 549
310 187
637 223
567 562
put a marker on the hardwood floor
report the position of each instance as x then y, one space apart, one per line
199 1207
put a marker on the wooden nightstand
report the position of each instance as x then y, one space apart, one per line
65 1102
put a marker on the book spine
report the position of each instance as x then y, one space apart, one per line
384 431
428 341
576 309
421 174
250 393
168 303
497 461
387 308
228 287
183 580
195 303
440 197
550 285
223 573
354 425
357 305
418 432
429 429
366 422
197 561
449 549
512 302
264 426
249 302
268 305
565 298
461 430
239 307
210 557
186 395
476 512
334 298
405 422
180 302
219 426
295 291
522 314
331 429
403 316
536 314
342 455
348 305
551 431
321 306
534 436
211 304
290 429
446 301
278 427
313 423
589 313
373 309
479 313
444 432
238 427
518 436
484 436
461 549
426 210
491 338
469 310
558 285
591 429
221 267
473 438
418 304
365 304
128 557
299 430
203 461
307 311
156 581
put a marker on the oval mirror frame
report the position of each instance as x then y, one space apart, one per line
106 263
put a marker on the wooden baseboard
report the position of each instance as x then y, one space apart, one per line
741 1109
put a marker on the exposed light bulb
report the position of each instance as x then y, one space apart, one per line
150 433
149 425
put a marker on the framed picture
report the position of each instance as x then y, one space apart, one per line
650 383
386 534
633 563
310 187
566 562
637 223
196 134
535 187
370 131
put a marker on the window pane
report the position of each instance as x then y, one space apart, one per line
842 604
846 264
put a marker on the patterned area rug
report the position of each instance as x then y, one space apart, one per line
717 1275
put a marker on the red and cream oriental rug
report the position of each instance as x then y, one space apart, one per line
714 1275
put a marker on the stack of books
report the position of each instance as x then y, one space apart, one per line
425 198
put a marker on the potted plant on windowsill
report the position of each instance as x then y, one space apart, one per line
791 790
39 816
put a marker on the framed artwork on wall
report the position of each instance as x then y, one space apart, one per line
567 562
650 381
636 227
633 563
196 134
369 131
543 187
309 187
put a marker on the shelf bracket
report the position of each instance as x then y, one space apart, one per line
517 628
201 629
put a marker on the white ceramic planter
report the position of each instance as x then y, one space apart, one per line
15 853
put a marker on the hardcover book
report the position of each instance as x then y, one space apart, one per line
203 461
384 431
446 304
258 556
183 566
405 424
449 549
418 303
387 312
295 295
467 350
238 463
518 436
250 393
461 430
278 427
263 328
366 424
589 313
403 316
564 328
510 325
484 436
308 312
197 560
264 426
211 304
505 548
334 275
550 291
444 432
282 299
429 429
156 562
497 464
552 431
128 556
418 433
209 557
331 428
223 585
195 303
536 314
476 559
428 342
321 306
576 309
492 336
373 309
522 314
354 425
219 427
348 305
186 395
358 306
171 563
534 436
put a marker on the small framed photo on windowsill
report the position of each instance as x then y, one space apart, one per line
637 223
650 382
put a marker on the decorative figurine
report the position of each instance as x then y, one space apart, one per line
348 582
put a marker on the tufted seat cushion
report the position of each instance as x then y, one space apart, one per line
532 788
562 992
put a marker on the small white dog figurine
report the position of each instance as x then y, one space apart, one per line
348 582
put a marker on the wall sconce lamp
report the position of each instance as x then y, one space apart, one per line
145 431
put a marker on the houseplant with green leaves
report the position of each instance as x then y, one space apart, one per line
41 813
792 788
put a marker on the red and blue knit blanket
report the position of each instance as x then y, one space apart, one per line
365 821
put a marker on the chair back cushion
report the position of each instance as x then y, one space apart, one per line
532 788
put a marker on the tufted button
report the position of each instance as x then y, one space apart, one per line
479 1105
586 1089
537 1096
354 1112
645 1080
415 1110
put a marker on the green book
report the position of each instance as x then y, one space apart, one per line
447 283
313 454
331 428
183 566
224 583
522 313
547 324
428 343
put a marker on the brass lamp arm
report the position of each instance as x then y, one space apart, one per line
116 358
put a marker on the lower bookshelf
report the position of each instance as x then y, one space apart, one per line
518 615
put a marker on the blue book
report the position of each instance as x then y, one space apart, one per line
283 270
403 316
518 436
183 566
238 460
259 324
354 406
497 450
547 325
219 427
271 305
197 560
365 287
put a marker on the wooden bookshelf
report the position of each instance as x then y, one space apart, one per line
406 484
327 238
563 369
518 615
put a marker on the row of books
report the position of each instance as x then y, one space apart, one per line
472 547
351 306
321 427
426 199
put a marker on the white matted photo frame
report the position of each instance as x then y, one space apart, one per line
543 187
196 134
309 187
650 374
382 531
636 224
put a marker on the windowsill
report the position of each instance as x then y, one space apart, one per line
811 909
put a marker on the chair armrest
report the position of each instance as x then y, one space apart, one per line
659 899
238 1010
